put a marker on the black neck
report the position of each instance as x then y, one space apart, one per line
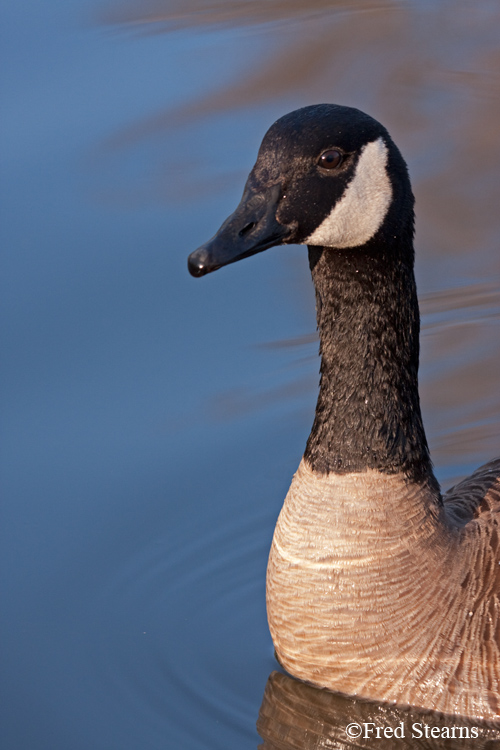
368 411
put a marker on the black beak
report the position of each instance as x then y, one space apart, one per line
252 228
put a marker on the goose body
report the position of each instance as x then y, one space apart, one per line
377 585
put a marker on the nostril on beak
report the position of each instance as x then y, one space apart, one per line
246 229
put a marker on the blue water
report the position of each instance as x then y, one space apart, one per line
151 421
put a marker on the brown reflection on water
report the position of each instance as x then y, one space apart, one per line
431 73
169 15
408 63
296 716
462 348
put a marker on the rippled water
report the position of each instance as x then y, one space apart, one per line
152 422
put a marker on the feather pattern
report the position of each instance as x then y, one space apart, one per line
375 589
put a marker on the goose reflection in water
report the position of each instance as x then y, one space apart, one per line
298 716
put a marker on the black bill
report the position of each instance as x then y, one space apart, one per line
252 228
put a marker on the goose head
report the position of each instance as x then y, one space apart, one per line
326 175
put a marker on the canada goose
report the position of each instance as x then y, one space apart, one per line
377 586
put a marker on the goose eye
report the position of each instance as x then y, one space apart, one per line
330 159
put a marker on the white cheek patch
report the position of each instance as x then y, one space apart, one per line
363 207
